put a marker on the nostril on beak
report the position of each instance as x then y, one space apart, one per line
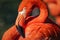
21 31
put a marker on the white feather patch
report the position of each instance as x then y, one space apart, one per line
23 12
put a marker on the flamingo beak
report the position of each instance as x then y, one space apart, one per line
21 31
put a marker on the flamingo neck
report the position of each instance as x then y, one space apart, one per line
42 16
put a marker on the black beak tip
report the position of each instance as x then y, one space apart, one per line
21 31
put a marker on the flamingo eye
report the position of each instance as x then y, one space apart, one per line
35 12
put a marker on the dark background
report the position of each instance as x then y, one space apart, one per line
8 13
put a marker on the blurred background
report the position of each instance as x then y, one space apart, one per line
8 13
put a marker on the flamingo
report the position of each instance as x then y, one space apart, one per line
30 27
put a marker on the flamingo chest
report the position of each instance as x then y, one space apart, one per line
39 31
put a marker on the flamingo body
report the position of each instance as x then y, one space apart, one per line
35 28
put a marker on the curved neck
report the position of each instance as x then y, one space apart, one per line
43 14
